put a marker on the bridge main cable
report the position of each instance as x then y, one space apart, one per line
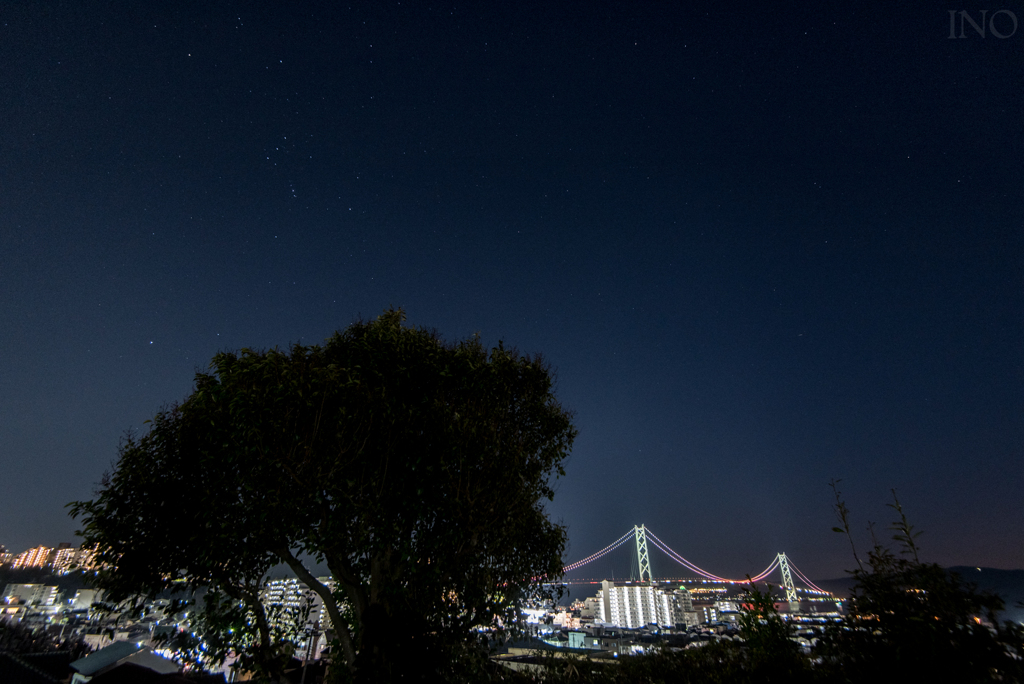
704 573
608 549
679 559
806 581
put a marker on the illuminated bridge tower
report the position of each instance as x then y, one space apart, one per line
787 582
643 560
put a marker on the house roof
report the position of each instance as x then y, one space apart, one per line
105 657
154 661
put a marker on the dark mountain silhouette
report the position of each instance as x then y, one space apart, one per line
1008 584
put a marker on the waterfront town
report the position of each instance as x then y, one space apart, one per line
596 619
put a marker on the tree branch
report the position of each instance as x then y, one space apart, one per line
330 603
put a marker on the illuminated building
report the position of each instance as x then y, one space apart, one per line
294 607
85 559
635 605
684 614
33 558
30 594
62 559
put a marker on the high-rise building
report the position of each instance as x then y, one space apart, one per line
30 594
635 605
684 614
85 559
291 597
33 558
293 606
62 558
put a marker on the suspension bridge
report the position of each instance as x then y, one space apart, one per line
642 536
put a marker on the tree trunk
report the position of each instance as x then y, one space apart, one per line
340 628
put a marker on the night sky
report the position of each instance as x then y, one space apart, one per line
761 248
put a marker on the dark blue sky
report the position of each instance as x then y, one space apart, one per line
762 248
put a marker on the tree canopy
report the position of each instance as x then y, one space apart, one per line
415 469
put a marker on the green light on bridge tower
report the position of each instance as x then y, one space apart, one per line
643 561
787 582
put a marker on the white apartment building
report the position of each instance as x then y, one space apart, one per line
294 597
288 599
635 605
30 594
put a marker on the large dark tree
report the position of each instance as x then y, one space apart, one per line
416 469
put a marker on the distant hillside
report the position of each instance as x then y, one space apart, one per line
1008 584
